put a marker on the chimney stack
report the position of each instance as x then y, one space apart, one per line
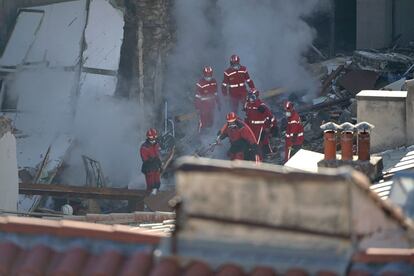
347 137
364 140
329 135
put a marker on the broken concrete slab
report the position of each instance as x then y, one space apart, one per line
356 80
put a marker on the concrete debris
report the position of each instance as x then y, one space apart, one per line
356 80
383 62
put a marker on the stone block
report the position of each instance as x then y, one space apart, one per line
386 110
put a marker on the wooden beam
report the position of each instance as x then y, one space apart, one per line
81 192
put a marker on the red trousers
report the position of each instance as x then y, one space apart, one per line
237 100
153 180
207 110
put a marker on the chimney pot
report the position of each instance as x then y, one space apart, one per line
330 145
364 140
347 137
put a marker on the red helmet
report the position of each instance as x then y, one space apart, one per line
231 117
289 106
152 134
208 72
234 59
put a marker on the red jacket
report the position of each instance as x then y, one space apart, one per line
241 132
257 113
235 81
294 130
150 155
206 92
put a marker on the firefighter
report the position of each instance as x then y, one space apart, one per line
206 98
151 161
234 83
260 119
294 131
242 140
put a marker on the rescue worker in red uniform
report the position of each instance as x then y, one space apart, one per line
260 119
234 83
206 98
151 161
294 131
242 140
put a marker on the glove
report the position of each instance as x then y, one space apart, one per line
218 140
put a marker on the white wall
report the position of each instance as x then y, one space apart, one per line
386 110
9 180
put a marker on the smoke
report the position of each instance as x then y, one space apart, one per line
110 130
270 36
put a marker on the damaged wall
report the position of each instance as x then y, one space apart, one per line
380 22
147 39
374 23
9 180
8 13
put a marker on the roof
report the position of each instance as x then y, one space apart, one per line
39 247
75 229
43 247
382 95
44 260
292 219
396 162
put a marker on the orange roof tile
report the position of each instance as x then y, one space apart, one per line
67 228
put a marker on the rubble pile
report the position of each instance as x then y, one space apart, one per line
341 79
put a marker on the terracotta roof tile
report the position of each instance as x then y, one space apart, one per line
18 262
89 265
67 228
71 263
263 271
230 270
358 272
392 273
296 272
36 262
28 225
8 254
43 260
138 264
108 264
166 267
54 261
199 269
326 273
